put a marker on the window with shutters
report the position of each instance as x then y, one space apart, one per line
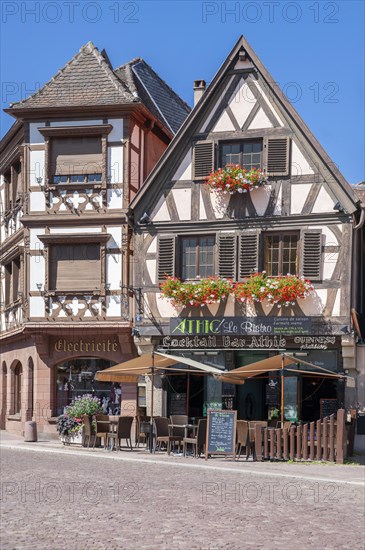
311 264
245 153
203 159
76 160
75 267
197 257
277 156
281 253
12 281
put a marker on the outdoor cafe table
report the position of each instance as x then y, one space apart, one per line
187 427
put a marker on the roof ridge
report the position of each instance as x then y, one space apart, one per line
89 47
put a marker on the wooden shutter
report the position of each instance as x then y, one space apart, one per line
76 155
227 255
75 267
248 254
8 276
277 156
166 257
311 254
203 162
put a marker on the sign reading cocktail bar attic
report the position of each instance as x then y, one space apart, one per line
251 342
240 326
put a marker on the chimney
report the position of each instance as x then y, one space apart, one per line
199 89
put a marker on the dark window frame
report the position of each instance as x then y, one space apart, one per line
197 258
281 235
241 143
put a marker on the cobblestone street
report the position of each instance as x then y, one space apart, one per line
63 500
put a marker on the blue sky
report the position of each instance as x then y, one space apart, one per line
313 49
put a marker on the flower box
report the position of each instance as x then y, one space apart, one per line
236 179
279 290
195 293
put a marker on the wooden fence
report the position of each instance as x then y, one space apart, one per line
324 439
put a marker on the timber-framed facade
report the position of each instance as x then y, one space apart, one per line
306 210
79 151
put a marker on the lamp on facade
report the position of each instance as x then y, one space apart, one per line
39 287
107 286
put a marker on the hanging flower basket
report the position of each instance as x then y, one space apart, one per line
235 178
281 290
195 293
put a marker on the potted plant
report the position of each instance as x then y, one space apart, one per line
196 293
70 424
279 290
235 178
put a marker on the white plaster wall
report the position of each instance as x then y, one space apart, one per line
260 198
161 212
75 230
113 307
34 242
202 211
76 122
183 202
115 199
184 170
269 103
115 240
336 306
114 270
151 268
37 201
115 164
117 133
329 264
278 204
211 114
224 124
324 202
34 135
152 249
36 306
315 303
36 167
299 164
242 102
164 307
37 271
219 203
260 121
299 193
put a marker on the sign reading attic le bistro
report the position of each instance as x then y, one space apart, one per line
220 326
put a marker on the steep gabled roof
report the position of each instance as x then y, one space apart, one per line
158 97
87 79
341 188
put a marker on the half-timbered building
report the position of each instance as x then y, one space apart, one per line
301 223
80 149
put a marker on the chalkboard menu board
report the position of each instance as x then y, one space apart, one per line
272 395
221 433
178 403
328 407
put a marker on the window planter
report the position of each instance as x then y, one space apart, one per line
195 293
235 178
279 290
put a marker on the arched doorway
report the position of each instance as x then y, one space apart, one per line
76 377
4 394
30 404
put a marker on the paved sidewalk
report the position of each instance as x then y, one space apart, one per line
336 473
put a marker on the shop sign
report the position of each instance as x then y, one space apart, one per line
62 345
240 325
251 342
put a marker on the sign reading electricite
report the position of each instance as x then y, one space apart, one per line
240 326
88 346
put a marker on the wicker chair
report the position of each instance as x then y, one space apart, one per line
251 439
163 434
179 422
124 430
102 428
198 442
242 437
141 436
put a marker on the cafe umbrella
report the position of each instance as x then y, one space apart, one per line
152 364
279 363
